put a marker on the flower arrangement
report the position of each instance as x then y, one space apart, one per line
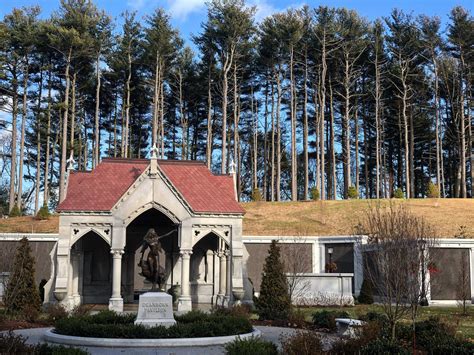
331 267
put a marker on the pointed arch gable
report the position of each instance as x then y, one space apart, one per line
148 206
210 231
83 231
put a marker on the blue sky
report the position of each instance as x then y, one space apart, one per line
187 15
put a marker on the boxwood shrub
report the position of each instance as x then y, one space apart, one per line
108 324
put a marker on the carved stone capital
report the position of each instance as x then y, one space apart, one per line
185 253
116 253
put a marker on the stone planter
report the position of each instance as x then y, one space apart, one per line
238 294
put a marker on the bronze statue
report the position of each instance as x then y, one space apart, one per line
151 268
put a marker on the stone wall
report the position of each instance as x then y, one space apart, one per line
291 253
451 263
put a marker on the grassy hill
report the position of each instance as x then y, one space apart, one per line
312 218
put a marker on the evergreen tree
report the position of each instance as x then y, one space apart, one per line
21 290
274 300
366 295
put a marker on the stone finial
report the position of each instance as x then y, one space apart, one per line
71 162
232 166
154 160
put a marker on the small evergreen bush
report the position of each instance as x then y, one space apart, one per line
315 194
256 195
15 212
21 294
274 300
432 191
251 346
398 193
366 295
43 213
352 193
327 319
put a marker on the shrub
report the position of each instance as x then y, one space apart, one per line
43 213
297 318
30 313
15 212
82 310
366 295
108 324
384 346
364 335
251 346
274 300
302 343
327 319
256 195
432 191
55 312
10 343
434 337
242 310
398 193
352 192
21 289
315 194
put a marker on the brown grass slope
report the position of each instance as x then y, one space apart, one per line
312 218
340 217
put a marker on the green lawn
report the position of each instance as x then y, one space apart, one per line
452 315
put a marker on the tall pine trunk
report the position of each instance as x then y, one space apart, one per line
62 175
24 116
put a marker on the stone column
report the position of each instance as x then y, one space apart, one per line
70 282
184 301
223 273
116 301
76 257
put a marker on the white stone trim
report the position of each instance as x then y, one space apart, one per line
32 237
50 336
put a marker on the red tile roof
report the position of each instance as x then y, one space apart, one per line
100 189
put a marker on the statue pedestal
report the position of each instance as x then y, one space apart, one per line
155 309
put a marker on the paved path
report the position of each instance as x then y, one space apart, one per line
273 334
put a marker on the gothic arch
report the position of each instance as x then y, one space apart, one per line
149 206
82 232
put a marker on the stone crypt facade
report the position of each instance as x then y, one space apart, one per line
107 212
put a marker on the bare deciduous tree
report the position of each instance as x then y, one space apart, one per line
296 265
400 247
463 291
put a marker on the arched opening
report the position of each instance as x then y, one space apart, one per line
208 274
134 284
92 269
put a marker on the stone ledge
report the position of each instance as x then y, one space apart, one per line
52 337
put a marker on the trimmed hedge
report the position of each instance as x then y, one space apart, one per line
108 324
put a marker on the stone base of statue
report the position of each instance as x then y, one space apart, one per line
155 309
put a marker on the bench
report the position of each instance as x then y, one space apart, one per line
346 326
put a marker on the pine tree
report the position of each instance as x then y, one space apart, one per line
274 300
21 291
